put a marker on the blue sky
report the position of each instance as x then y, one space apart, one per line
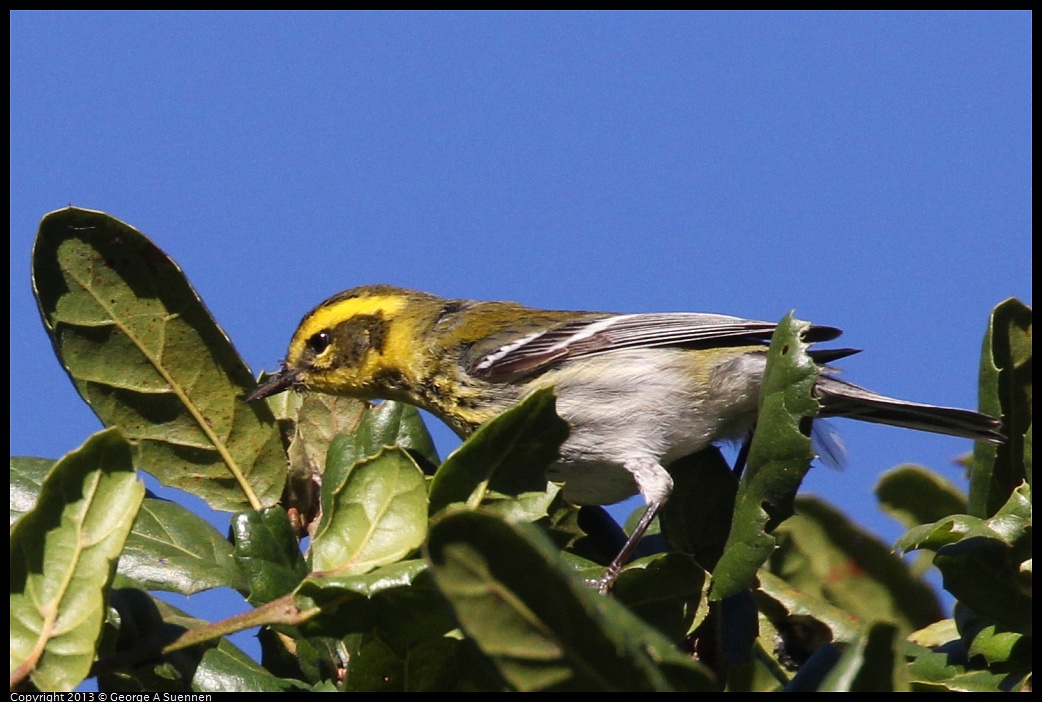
870 170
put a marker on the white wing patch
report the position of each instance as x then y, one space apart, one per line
583 338
490 359
589 330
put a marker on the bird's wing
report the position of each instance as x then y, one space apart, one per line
586 337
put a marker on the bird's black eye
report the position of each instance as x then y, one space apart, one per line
319 342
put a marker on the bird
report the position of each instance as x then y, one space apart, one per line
638 390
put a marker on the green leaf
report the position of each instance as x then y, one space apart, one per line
947 531
526 507
941 671
936 634
145 354
1010 525
399 424
436 665
63 556
914 495
824 554
383 597
169 548
314 659
27 476
997 645
329 586
798 642
375 666
448 663
778 600
319 419
508 454
374 511
316 418
225 668
143 626
542 626
982 560
983 574
667 591
1004 651
779 457
146 625
268 552
697 517
1006 392
414 620
871 663
387 424
588 532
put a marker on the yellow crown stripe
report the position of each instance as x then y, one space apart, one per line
329 315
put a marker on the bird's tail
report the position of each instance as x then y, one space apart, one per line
842 399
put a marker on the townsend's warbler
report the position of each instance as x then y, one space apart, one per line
639 390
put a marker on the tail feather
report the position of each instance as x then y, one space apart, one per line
842 399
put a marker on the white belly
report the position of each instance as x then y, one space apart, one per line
627 407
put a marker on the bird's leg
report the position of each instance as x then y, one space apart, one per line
607 581
655 484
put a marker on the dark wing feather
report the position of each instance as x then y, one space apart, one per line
587 337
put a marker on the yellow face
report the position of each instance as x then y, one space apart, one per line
353 344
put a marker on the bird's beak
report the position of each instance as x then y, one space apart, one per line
283 380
